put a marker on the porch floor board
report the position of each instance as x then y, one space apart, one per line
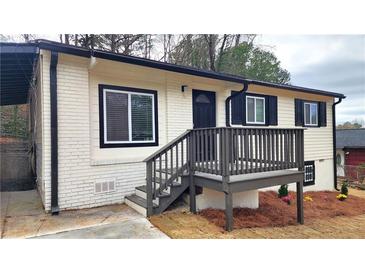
250 176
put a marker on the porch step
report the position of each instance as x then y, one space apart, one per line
138 203
168 170
163 181
142 190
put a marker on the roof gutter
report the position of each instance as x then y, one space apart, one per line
334 142
229 99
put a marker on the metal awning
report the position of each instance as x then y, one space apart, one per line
17 63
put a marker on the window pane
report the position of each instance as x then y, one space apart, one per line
306 114
260 110
141 118
250 110
116 116
313 114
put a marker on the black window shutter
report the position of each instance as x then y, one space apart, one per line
322 114
272 110
244 109
299 112
236 109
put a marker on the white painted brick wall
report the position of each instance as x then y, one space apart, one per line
81 161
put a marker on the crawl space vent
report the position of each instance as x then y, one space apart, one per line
104 187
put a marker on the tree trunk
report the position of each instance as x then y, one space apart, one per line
67 39
211 50
237 42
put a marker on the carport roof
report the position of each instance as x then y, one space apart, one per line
17 62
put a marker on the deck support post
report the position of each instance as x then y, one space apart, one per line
300 213
228 199
192 194
229 210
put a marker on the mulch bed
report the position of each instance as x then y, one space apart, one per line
273 212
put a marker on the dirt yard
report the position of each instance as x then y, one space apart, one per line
324 218
273 212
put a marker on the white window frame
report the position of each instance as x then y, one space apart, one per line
310 112
130 141
255 98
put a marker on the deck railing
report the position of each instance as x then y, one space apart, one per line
234 151
223 151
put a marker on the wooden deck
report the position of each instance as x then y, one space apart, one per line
228 160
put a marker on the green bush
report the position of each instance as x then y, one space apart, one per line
344 189
283 191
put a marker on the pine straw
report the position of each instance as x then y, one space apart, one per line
273 212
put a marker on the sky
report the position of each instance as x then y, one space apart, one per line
329 62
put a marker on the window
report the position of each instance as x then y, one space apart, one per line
255 110
309 173
310 114
127 117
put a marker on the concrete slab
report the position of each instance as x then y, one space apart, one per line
24 203
139 228
4 201
23 217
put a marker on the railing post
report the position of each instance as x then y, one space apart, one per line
149 191
225 152
226 158
301 166
191 165
299 148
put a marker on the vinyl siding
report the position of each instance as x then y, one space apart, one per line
317 141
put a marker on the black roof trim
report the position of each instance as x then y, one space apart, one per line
69 49
298 88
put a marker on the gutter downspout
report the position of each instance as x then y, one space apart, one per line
334 142
54 133
228 100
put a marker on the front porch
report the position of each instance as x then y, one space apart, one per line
228 160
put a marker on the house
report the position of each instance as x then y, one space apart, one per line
109 128
350 151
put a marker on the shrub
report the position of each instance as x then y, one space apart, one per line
341 197
344 189
308 199
286 199
283 191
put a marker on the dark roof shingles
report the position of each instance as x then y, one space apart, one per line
350 138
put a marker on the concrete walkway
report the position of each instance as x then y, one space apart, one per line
139 228
22 216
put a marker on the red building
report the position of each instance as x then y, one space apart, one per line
350 145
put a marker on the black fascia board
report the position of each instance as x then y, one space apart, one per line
69 49
297 88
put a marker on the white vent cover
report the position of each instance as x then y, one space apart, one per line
104 187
